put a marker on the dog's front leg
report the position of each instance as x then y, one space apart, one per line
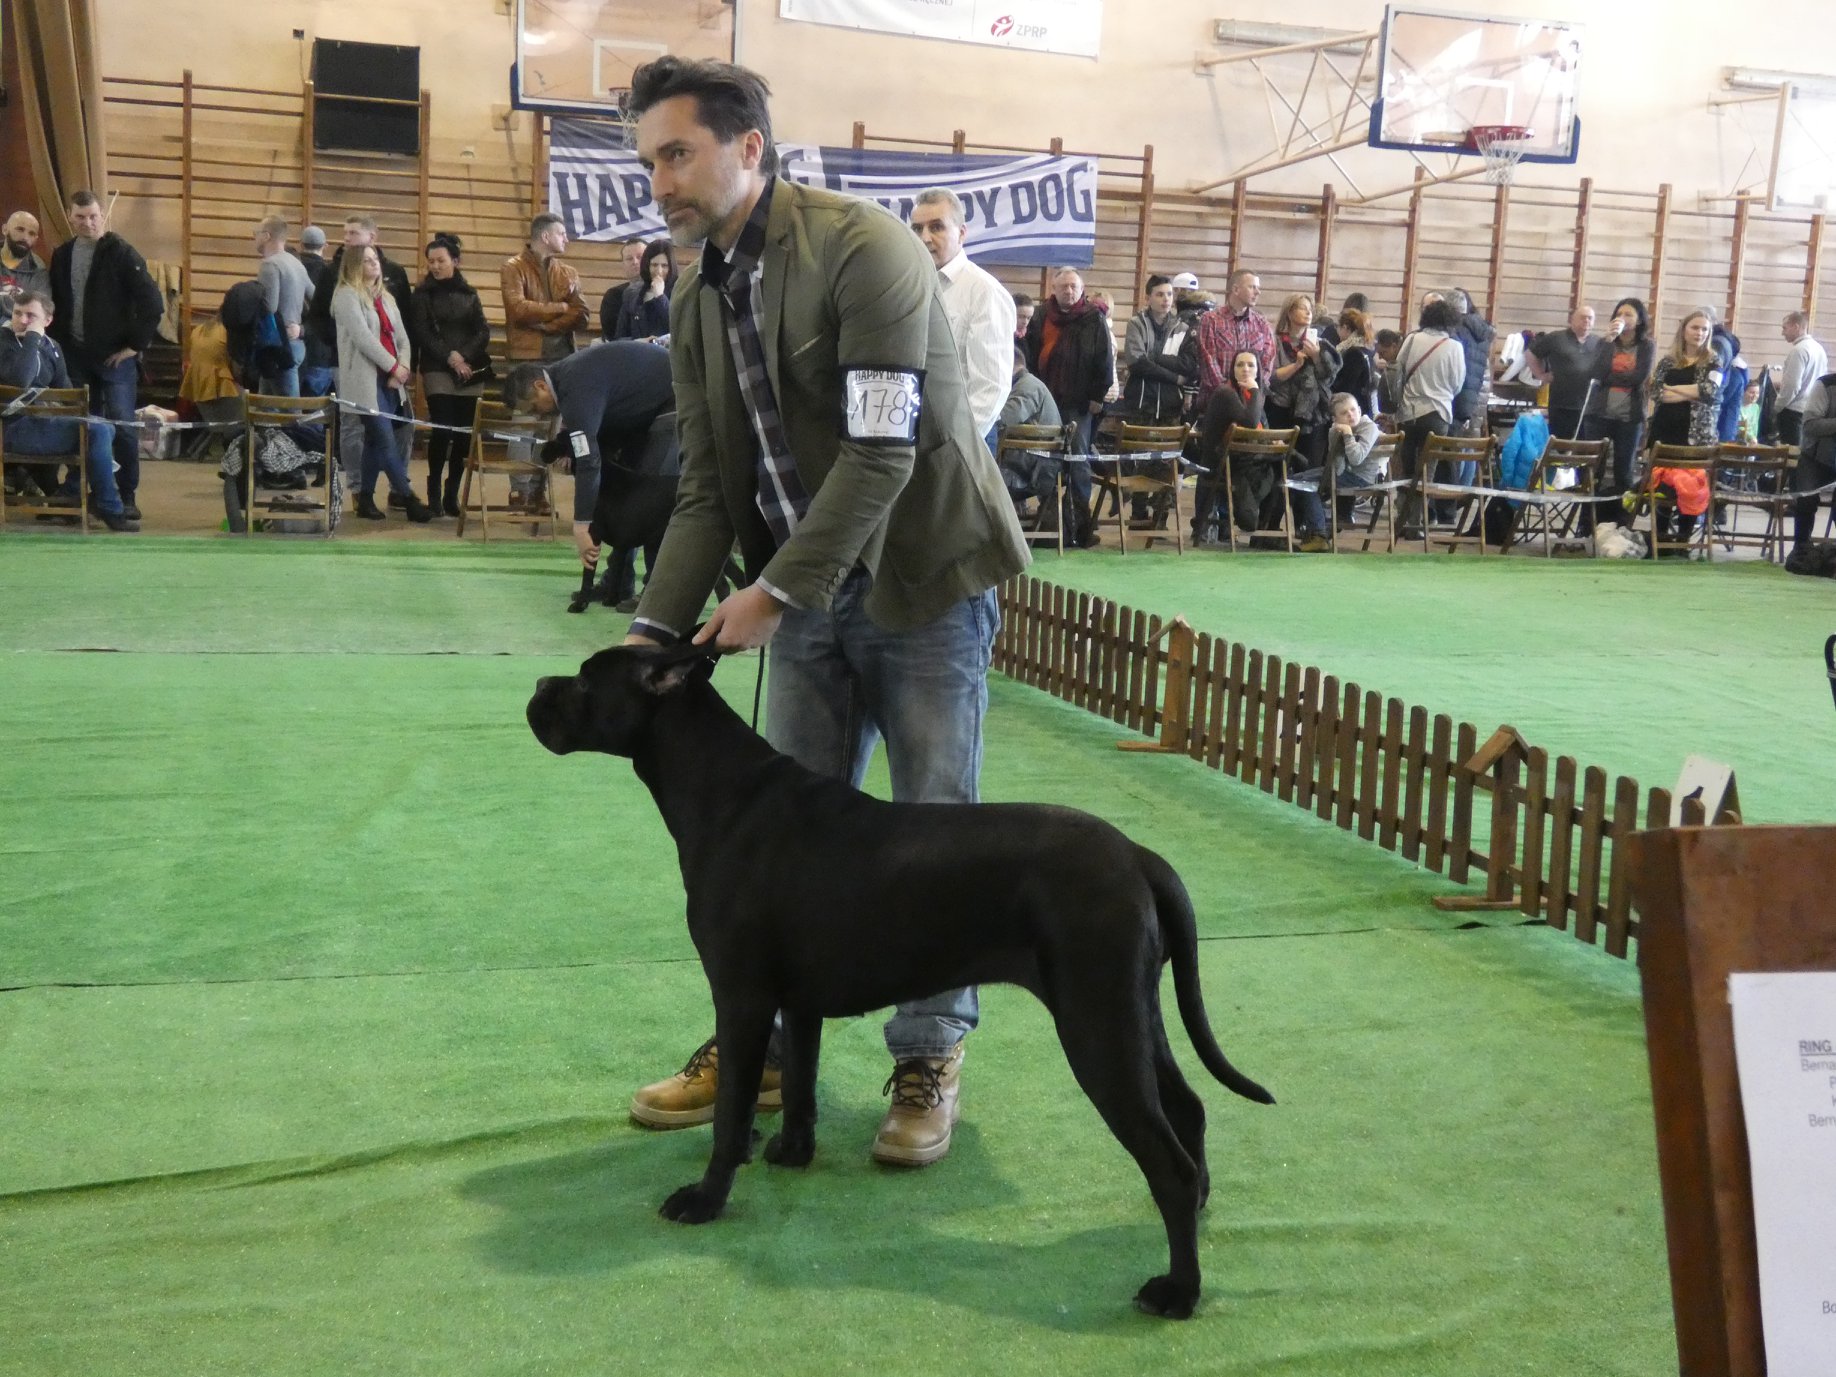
742 1039
800 1045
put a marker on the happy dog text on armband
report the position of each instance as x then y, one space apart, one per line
883 405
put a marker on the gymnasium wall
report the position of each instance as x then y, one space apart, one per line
1644 108
1650 71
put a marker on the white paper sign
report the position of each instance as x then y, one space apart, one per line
1047 26
1785 1048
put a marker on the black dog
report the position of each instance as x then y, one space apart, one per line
809 897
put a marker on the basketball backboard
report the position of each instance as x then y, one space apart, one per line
577 56
1442 73
1807 152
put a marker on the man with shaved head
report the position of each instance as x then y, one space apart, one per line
21 269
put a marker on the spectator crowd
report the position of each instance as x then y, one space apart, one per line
354 323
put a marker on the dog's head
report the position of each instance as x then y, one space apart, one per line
608 705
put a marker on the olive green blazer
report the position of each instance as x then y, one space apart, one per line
846 285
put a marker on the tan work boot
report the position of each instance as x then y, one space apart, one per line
687 1098
925 1107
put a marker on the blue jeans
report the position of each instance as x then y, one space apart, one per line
111 392
839 683
381 453
286 382
316 381
45 435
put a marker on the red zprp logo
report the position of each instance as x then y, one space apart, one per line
1002 27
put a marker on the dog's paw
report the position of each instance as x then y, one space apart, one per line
790 1149
1166 1298
691 1205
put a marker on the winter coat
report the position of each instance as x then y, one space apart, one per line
446 318
1156 377
122 304
361 356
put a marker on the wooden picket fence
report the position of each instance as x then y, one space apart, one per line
1435 791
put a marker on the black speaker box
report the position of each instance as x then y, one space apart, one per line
349 80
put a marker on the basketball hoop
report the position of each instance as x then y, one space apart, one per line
620 99
1502 146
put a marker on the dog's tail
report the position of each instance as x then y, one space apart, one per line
1179 935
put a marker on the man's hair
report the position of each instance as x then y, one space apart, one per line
83 198
1237 277
1022 299
729 100
942 196
1799 319
42 298
540 224
366 222
519 387
1158 281
631 239
1357 301
1388 339
1060 272
274 226
1439 314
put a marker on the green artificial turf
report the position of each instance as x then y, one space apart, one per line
1624 664
325 988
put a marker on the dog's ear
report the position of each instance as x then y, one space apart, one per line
668 669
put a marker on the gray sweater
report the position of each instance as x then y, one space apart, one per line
285 286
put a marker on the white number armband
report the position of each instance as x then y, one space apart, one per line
883 405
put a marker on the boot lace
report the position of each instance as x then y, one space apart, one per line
915 1084
700 1061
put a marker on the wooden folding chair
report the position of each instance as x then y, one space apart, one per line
1146 465
1551 519
497 434
1758 478
1271 447
1383 450
277 504
51 404
1052 442
1469 516
1690 457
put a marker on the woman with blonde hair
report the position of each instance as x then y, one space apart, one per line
1300 384
373 371
1686 387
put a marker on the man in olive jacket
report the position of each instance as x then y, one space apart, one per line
842 455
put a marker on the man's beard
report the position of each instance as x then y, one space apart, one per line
17 248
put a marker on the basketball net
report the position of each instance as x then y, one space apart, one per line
1502 146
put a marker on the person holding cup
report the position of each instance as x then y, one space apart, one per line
1300 384
1622 379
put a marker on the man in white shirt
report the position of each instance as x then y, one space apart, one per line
1805 362
980 310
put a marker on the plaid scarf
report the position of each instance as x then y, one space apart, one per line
781 498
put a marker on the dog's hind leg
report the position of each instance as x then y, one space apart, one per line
742 1037
1111 1054
1183 1108
800 1048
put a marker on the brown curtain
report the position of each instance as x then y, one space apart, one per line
60 88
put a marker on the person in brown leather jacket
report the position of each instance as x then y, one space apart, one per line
542 301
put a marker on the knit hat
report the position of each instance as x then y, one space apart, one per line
312 237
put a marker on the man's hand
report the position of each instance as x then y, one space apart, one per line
584 542
119 356
1096 408
746 618
293 330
